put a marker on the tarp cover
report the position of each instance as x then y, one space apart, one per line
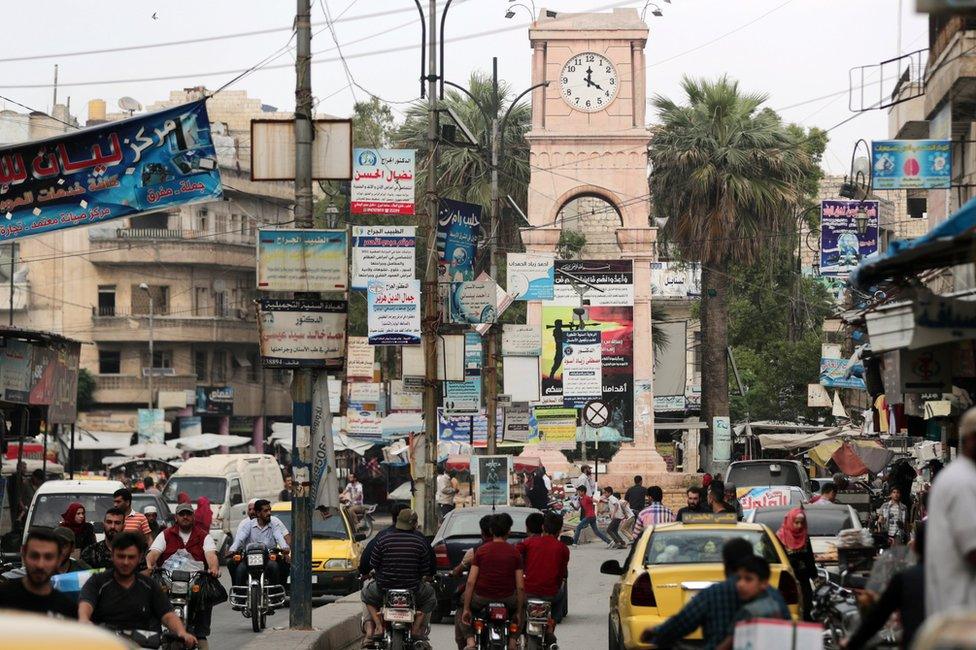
793 441
97 440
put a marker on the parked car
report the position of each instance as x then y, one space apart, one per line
767 473
824 523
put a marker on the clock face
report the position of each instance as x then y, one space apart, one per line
588 82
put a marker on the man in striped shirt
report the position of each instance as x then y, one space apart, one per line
654 514
135 522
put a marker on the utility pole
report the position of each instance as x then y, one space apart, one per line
491 343
300 609
426 454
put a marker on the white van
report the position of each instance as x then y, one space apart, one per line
54 497
228 481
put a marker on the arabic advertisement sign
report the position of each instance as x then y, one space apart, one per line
521 340
458 225
15 371
473 302
364 392
616 328
364 424
60 372
302 260
503 300
382 181
841 246
151 425
44 375
382 253
404 397
614 277
215 400
557 425
763 497
148 162
466 395
721 439
393 312
301 333
517 424
675 280
836 371
359 359
911 164
582 367
453 428
490 476
530 276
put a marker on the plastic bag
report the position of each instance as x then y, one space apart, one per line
211 591
181 560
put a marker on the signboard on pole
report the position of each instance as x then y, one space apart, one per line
393 312
842 244
382 181
148 162
473 302
675 279
466 395
516 424
364 424
556 424
302 260
458 225
911 164
530 276
615 277
273 150
490 475
382 253
359 358
521 340
301 333
582 368
721 439
152 425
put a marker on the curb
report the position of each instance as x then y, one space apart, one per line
334 626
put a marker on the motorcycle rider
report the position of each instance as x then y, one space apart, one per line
495 576
259 530
401 560
546 562
352 497
33 591
277 523
123 599
196 541
99 555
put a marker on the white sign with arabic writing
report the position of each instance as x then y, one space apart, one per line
301 333
359 360
675 279
382 253
393 312
382 181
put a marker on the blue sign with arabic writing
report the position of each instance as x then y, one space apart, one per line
458 225
843 241
911 164
109 171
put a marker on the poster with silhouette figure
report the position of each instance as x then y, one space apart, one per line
615 325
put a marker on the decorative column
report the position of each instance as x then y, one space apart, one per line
223 428
640 456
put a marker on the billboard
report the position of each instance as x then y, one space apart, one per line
302 260
458 226
382 253
148 162
382 181
530 276
301 333
215 400
675 279
393 312
911 164
842 247
614 277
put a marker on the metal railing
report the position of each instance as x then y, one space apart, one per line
176 234
132 382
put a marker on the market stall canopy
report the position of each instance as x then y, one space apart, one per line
340 441
208 441
793 441
761 427
853 457
96 440
948 244
138 465
150 450
9 466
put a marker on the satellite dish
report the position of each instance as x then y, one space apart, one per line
862 165
129 104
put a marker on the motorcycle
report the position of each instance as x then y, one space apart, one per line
836 608
183 591
256 599
398 613
538 623
493 627
365 524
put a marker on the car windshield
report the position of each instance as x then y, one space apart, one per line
48 508
330 526
690 546
215 489
761 474
462 524
821 521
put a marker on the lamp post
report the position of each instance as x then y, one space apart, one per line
332 215
145 287
861 220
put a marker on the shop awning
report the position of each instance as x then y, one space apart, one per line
151 450
208 441
853 457
97 440
795 441
950 243
772 426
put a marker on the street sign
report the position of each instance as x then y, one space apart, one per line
159 372
596 413
504 400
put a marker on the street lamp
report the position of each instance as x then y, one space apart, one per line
861 220
655 12
145 287
332 215
511 10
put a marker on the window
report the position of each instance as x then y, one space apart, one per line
200 364
162 359
219 366
697 352
917 207
201 301
6 252
109 362
220 304
140 301
236 495
203 220
106 300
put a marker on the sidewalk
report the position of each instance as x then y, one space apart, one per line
336 627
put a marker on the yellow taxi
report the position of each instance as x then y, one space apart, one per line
336 550
671 563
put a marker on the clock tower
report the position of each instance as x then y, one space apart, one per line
588 157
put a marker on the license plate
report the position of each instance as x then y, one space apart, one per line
315 579
398 615
255 560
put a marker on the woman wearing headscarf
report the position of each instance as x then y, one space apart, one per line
537 494
203 514
796 542
182 497
74 519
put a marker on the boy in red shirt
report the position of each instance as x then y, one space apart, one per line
546 563
587 517
495 576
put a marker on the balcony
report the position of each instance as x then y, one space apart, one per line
951 74
139 246
237 326
129 389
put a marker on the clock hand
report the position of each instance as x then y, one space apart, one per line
589 75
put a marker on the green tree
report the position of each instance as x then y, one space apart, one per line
86 391
726 175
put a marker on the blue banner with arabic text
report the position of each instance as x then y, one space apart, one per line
113 170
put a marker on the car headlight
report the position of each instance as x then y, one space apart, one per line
338 563
180 587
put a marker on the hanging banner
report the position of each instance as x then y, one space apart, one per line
393 312
215 400
521 340
302 260
383 253
473 302
842 246
151 425
582 367
301 333
530 276
675 280
721 439
836 371
15 371
360 356
614 277
382 181
911 164
160 160
466 395
516 424
490 475
556 425
323 446
458 226
616 328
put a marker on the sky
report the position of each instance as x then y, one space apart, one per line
796 51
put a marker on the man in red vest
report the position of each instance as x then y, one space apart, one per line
186 535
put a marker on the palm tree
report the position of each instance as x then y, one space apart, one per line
726 174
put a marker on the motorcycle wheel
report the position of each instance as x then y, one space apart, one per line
397 641
254 599
533 643
366 525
